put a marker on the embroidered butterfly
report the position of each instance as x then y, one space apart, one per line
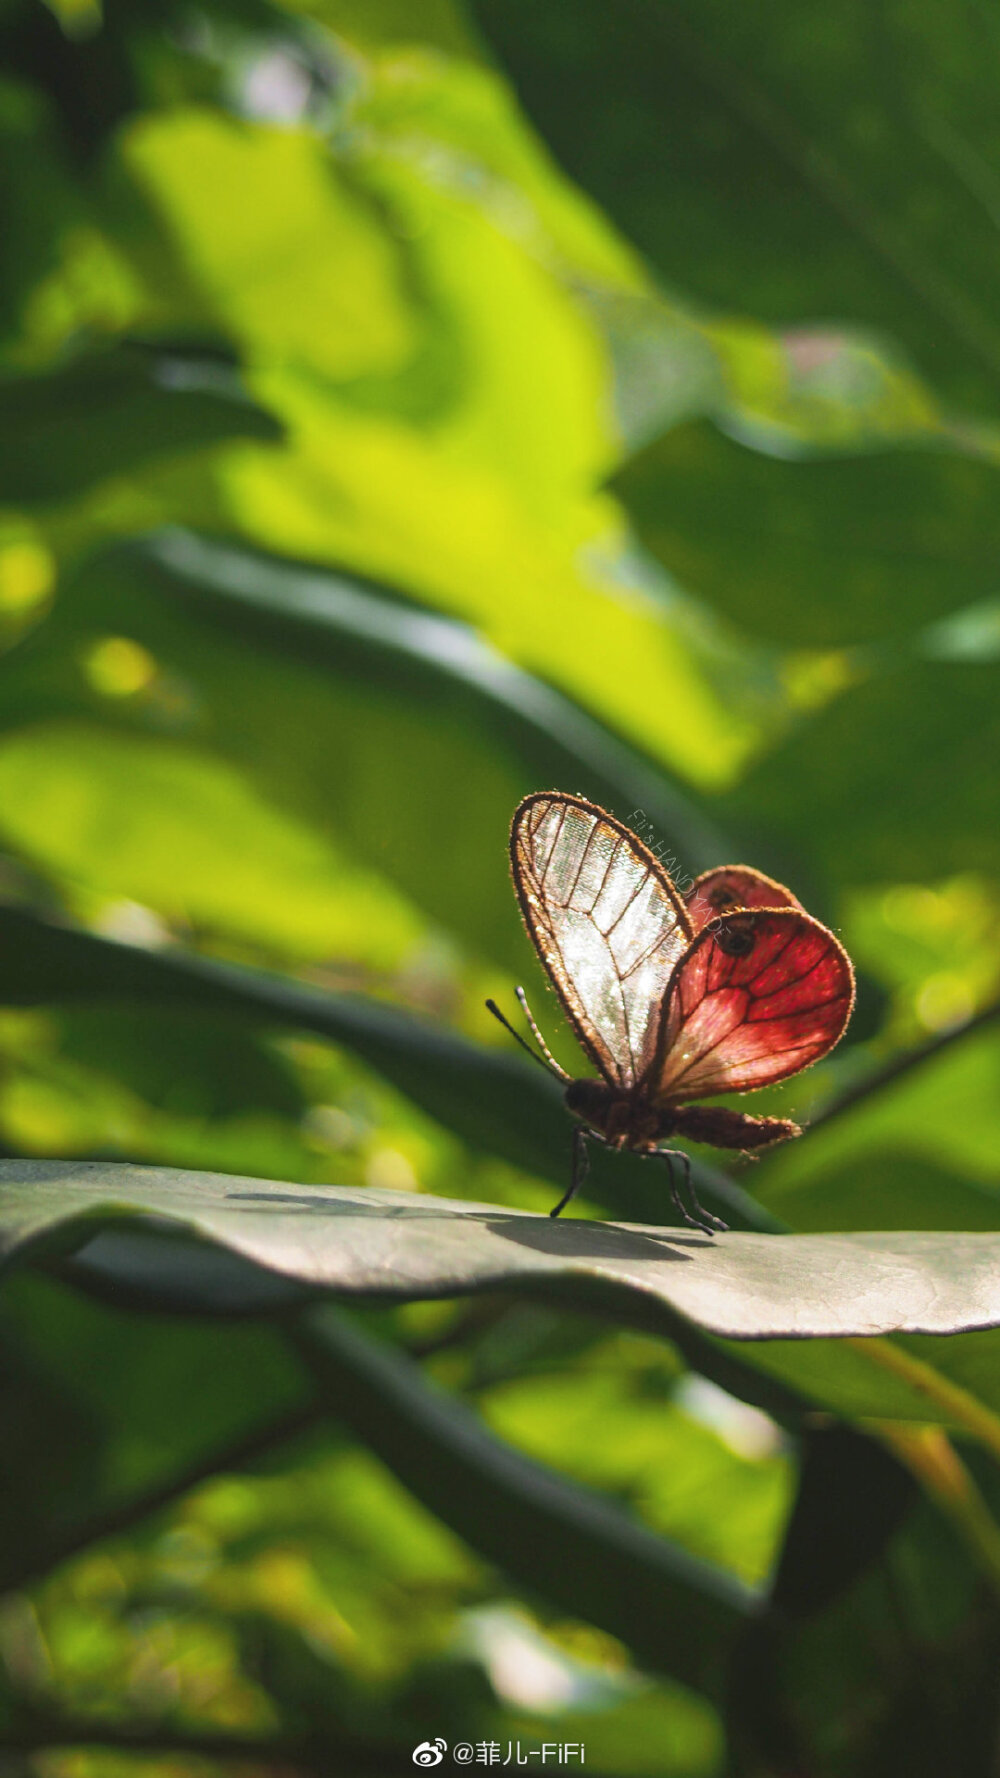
672 998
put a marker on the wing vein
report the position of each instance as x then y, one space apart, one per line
640 886
608 868
557 836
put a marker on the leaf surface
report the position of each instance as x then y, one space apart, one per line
402 1246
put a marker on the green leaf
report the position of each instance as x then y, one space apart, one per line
319 616
377 22
101 416
885 1189
771 165
445 393
777 1300
675 1612
817 553
639 1436
168 825
306 275
371 1242
188 1064
887 783
310 683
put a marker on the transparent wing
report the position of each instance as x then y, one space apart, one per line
606 921
759 995
734 886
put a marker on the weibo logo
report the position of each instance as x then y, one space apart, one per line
430 1753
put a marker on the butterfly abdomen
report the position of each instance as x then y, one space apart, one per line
727 1129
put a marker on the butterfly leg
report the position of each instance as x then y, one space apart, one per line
705 1218
581 1167
697 1217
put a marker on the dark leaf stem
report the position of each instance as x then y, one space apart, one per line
905 1064
547 1534
122 1517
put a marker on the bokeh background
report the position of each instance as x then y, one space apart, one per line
404 408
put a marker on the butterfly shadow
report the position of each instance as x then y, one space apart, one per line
577 1239
574 1238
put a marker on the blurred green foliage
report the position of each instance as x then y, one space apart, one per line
404 407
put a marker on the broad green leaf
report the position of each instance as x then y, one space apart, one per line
318 615
459 458
771 165
737 1285
309 683
552 1536
179 1088
884 1282
425 22
874 1379
161 823
813 388
887 782
304 275
102 415
874 1187
817 553
452 118
186 1063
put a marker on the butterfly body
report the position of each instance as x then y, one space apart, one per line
621 1119
672 998
630 1120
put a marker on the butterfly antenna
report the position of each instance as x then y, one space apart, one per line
539 1039
491 1006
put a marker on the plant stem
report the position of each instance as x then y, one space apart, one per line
121 1517
961 1407
901 1065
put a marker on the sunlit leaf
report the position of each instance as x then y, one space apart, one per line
326 289
146 819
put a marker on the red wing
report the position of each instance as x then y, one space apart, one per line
606 921
758 996
734 886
